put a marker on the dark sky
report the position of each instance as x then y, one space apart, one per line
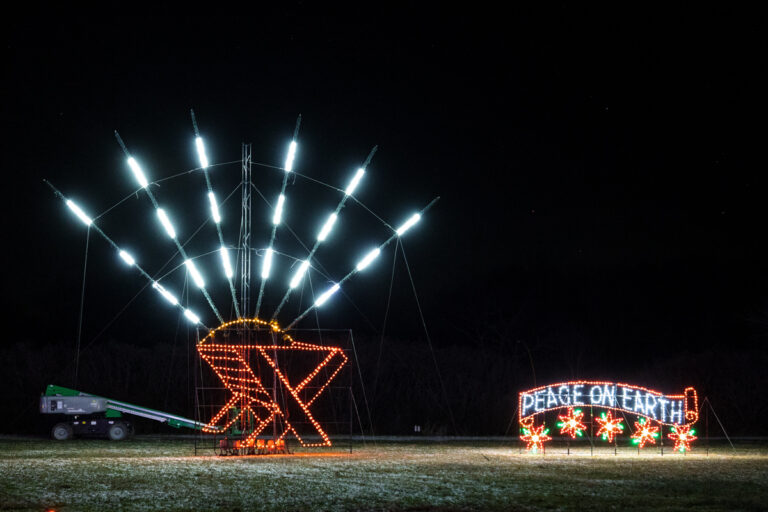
596 167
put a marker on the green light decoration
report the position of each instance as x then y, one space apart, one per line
682 435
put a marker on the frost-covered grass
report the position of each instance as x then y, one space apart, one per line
156 474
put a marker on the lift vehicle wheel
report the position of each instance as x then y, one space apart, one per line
61 431
118 431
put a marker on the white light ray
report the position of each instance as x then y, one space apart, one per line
165 221
291 156
127 257
326 295
408 224
191 316
80 214
165 293
225 261
267 265
327 227
299 275
278 210
196 277
137 172
201 152
368 258
353 184
214 208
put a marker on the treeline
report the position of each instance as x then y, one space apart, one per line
464 390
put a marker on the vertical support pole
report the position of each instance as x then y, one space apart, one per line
661 438
706 426
245 230
350 415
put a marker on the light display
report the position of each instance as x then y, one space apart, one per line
327 294
127 257
214 208
196 277
225 262
166 222
201 152
652 408
610 427
326 229
683 436
408 224
234 364
368 258
570 423
278 210
645 433
137 172
80 214
355 181
299 275
535 437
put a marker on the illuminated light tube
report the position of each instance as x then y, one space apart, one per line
214 208
368 258
191 316
165 293
267 265
127 257
291 156
278 210
327 227
201 152
299 275
196 277
80 214
165 221
353 184
225 261
408 224
137 172
326 295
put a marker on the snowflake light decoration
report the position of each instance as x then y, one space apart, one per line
570 423
535 437
610 427
644 433
683 437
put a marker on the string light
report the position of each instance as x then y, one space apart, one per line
166 222
644 433
225 262
326 295
80 214
196 277
355 181
231 363
683 436
267 264
327 227
610 427
137 172
201 152
535 437
299 275
368 258
191 316
165 293
127 257
278 210
570 423
290 157
214 208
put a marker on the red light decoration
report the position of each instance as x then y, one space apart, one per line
232 363
610 427
570 423
644 433
683 436
535 437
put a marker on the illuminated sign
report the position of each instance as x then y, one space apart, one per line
653 409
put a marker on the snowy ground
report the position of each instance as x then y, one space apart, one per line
162 474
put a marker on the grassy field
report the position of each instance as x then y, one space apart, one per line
161 474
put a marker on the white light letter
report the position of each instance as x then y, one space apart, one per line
327 227
368 259
80 214
299 275
291 156
191 316
326 295
127 257
166 223
225 262
137 173
410 222
201 152
267 264
196 277
214 208
278 210
165 293
353 184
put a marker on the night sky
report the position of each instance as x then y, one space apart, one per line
601 201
